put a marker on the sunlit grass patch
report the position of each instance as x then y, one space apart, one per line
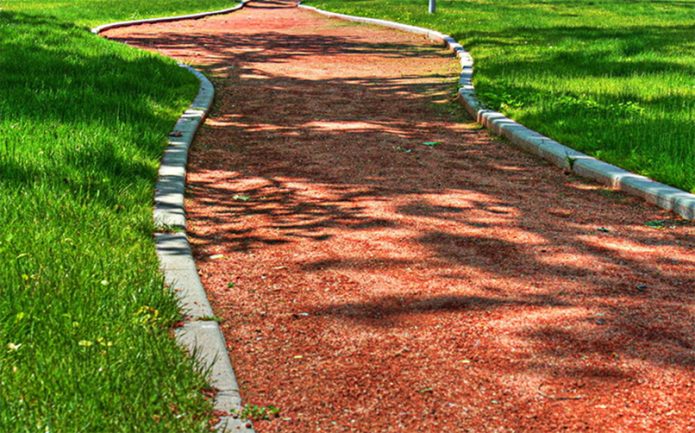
94 12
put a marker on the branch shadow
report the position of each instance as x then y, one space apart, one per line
491 229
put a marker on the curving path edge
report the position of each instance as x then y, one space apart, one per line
200 334
664 196
117 24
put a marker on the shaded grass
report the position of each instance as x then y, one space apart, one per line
613 78
85 318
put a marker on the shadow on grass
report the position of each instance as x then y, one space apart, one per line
82 125
81 114
618 120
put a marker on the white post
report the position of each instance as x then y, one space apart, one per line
433 6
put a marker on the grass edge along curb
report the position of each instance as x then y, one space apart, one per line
117 24
662 195
200 335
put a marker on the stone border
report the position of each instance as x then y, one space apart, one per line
664 196
200 334
109 26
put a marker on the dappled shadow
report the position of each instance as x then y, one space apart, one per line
69 101
338 179
624 127
385 311
639 38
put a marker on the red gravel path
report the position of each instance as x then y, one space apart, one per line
381 285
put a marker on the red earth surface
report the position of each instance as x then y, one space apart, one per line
370 282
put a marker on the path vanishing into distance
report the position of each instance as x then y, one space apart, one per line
369 282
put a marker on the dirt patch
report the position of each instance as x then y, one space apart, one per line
374 283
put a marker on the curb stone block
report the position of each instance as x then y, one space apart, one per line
204 339
601 171
666 197
174 251
181 274
659 194
200 335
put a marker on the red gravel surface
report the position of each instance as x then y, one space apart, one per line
371 283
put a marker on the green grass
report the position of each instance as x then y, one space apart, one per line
613 78
95 12
84 315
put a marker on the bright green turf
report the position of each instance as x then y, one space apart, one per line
94 12
84 316
613 78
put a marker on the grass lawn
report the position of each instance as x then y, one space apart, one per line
84 316
613 78
95 12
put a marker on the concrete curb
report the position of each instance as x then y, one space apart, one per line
109 26
664 196
200 334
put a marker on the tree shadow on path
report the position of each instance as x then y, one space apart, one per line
313 164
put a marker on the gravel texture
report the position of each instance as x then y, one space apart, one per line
369 282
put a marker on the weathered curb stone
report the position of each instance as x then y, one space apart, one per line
200 333
664 196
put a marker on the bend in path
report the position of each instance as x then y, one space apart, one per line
382 285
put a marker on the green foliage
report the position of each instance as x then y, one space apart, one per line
84 335
94 12
252 412
612 78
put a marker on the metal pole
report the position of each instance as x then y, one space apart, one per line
433 6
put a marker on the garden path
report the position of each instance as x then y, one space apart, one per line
383 265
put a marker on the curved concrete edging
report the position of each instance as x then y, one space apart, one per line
664 196
200 334
109 26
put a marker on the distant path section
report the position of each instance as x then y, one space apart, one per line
383 265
